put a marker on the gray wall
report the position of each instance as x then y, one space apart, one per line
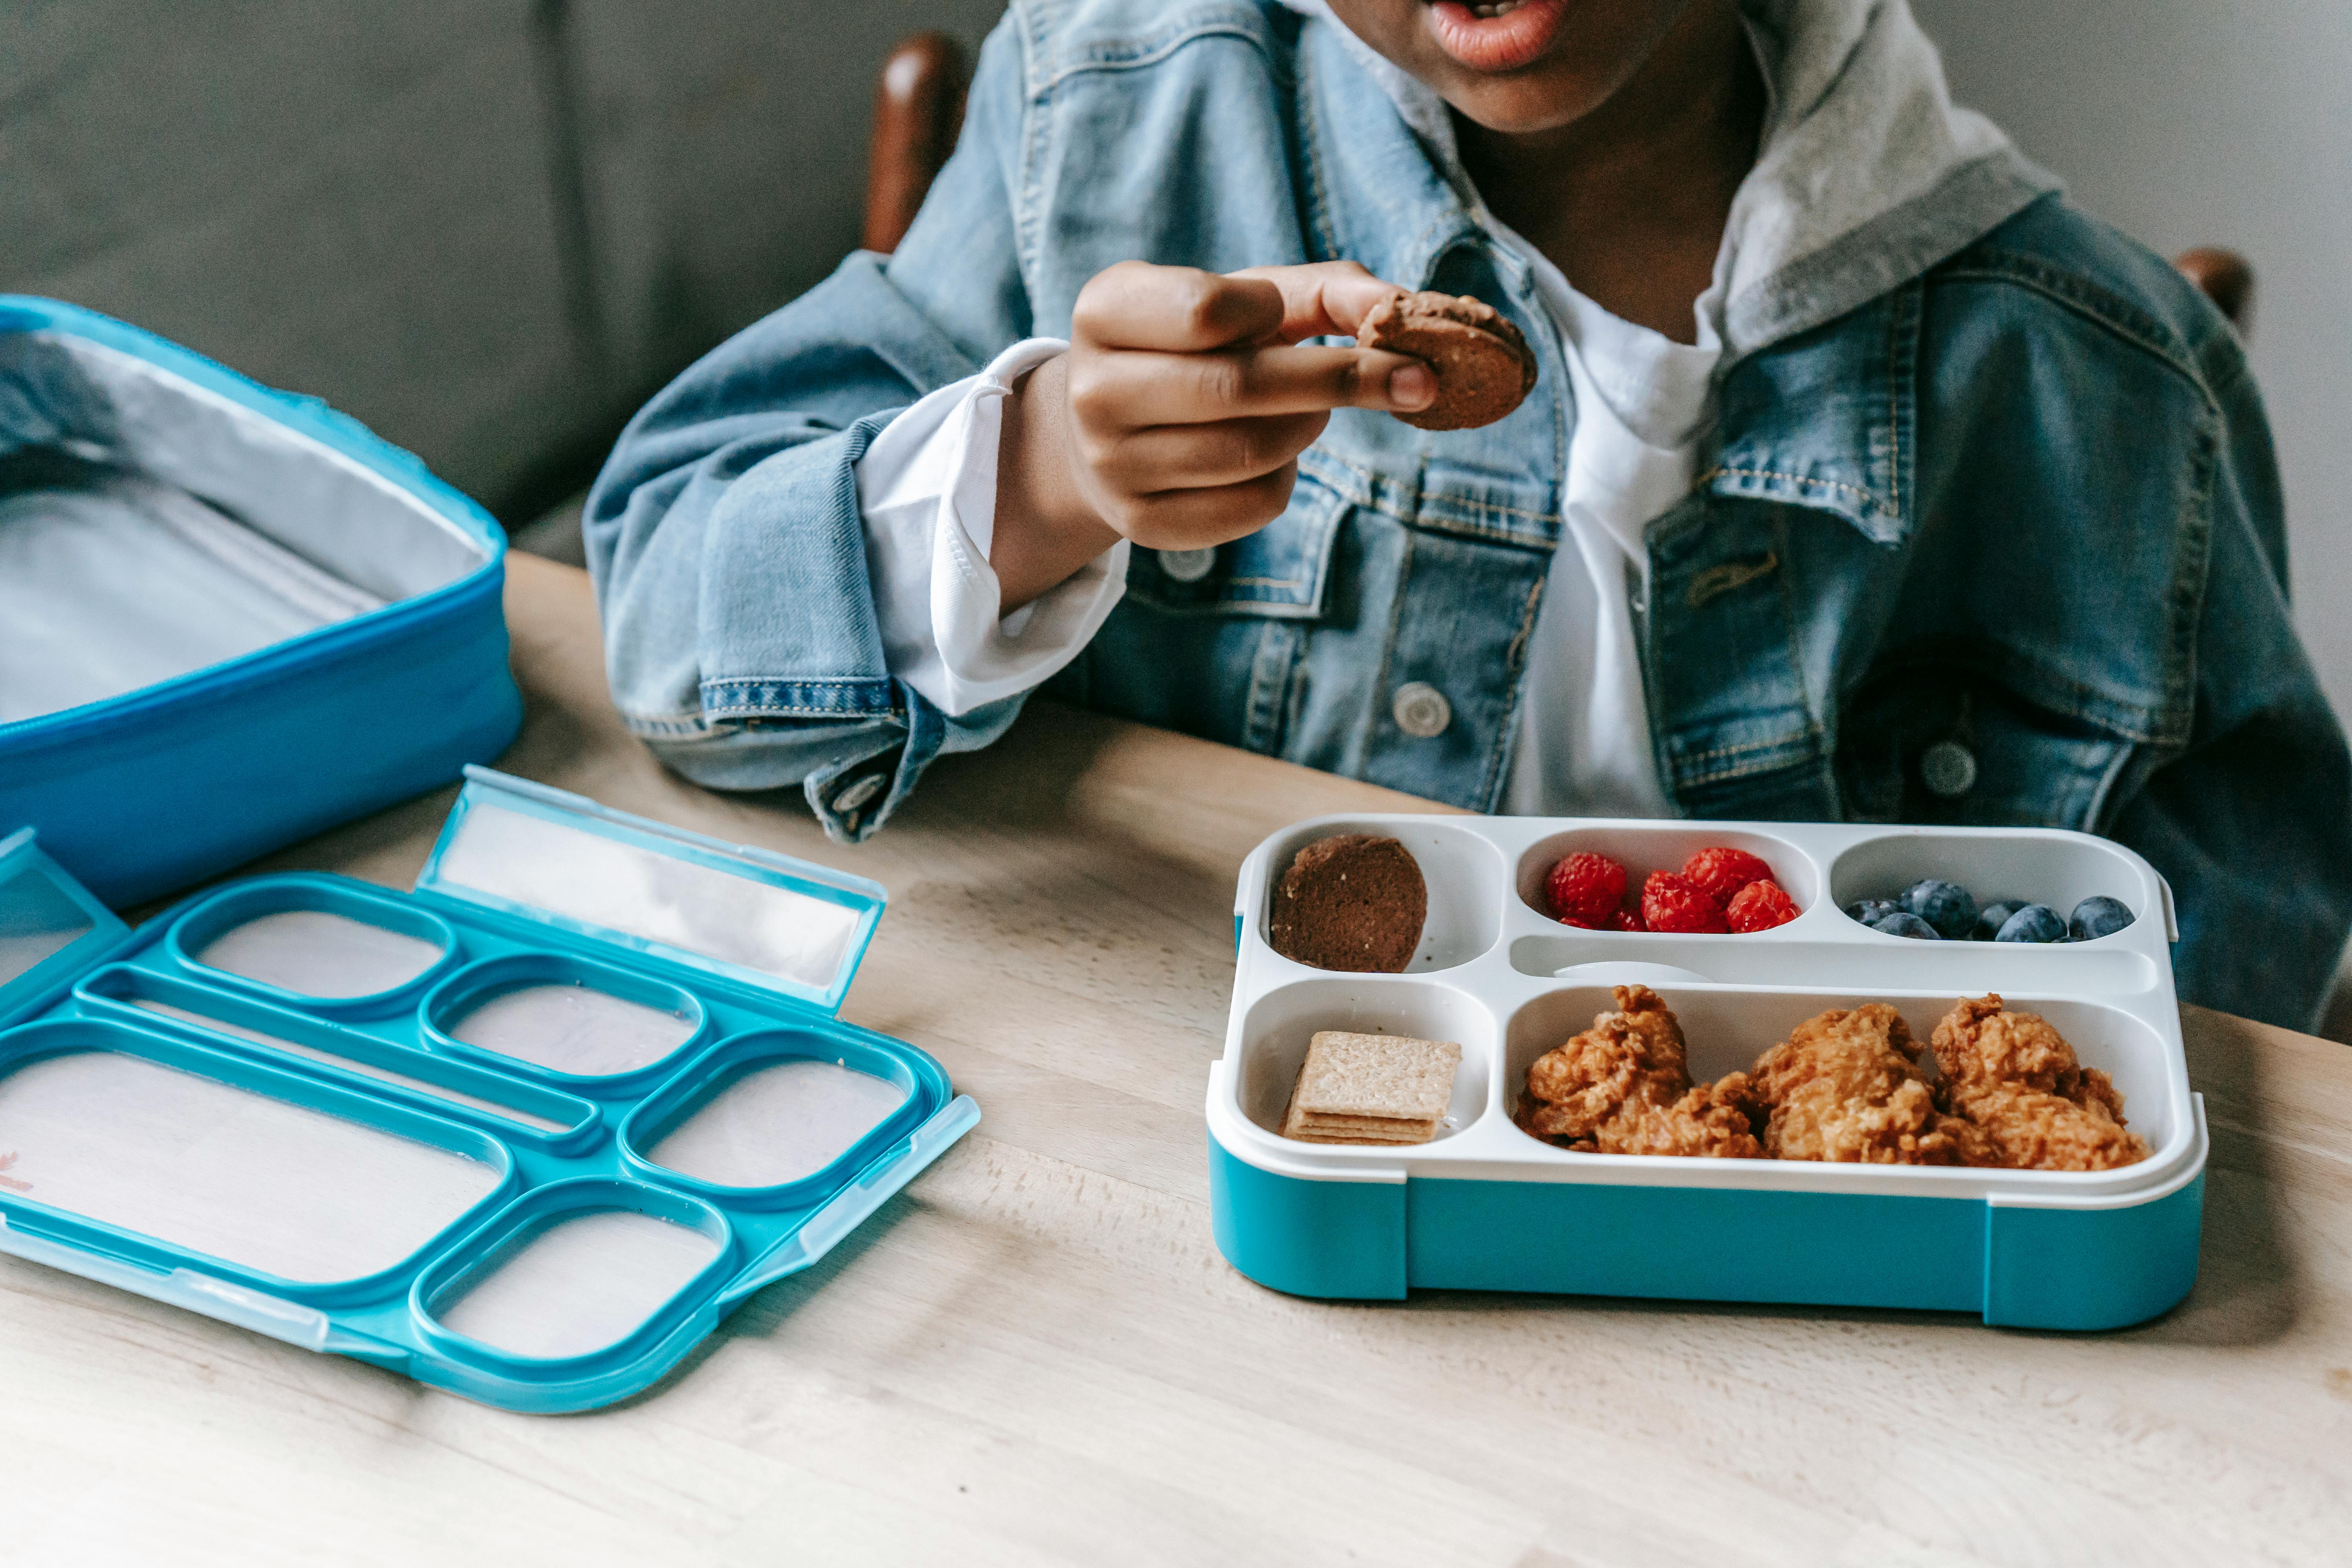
2199 122
485 227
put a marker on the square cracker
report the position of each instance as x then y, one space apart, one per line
1311 1129
1363 1124
1392 1076
1362 1139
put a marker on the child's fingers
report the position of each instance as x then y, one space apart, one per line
1134 391
1195 518
1207 457
1177 310
1323 298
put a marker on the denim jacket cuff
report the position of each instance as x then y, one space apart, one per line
854 796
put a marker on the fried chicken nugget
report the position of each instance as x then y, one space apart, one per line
1845 1087
1622 1086
2017 1081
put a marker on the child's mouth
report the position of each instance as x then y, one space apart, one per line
1495 34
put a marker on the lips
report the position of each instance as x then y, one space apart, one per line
1496 35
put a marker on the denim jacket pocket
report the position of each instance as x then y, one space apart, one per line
1282 571
1944 744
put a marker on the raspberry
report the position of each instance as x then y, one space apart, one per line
1720 872
1584 890
1759 906
1627 917
1675 903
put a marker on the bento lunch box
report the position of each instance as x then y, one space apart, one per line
528 1133
229 618
1485 1207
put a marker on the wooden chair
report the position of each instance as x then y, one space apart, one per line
919 110
2226 280
917 113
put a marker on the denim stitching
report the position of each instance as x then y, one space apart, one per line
2133 326
2033 683
1142 53
1328 470
1721 469
1515 665
772 696
1321 222
1812 731
1793 619
1903 332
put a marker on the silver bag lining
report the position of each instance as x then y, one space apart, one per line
149 528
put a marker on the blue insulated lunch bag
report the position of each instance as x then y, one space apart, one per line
229 618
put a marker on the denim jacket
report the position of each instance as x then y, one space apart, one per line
2019 510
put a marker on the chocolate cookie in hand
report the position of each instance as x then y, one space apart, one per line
1485 368
1354 901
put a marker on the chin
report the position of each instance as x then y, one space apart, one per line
1515 66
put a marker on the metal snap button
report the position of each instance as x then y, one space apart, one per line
1949 769
1422 710
859 792
1187 565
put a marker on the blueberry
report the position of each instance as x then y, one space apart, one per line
1947 906
2033 922
2099 916
1992 918
1870 911
1903 922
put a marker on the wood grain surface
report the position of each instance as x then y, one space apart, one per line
1037 1355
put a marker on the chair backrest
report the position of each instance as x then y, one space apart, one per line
2226 280
918 112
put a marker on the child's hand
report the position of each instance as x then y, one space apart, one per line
1178 416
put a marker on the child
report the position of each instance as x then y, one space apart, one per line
1862 478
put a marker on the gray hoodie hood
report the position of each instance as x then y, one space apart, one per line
1868 173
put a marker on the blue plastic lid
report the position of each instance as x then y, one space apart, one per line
728 910
49 924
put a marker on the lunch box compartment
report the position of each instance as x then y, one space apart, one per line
2060 869
1648 847
1725 1030
525 1108
327 944
563 1017
576 1269
197 1152
763 1115
1975 966
1278 1029
1463 874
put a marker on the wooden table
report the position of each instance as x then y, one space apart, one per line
1037 1355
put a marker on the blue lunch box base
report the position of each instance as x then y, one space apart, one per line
2016 1267
341 1168
1484 1206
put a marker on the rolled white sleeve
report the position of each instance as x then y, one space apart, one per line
927 487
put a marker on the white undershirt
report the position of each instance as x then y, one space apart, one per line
1583 747
928 489
927 486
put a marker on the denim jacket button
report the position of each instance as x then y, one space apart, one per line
860 791
1187 565
1422 710
1949 769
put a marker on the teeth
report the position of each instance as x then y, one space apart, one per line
1501 8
